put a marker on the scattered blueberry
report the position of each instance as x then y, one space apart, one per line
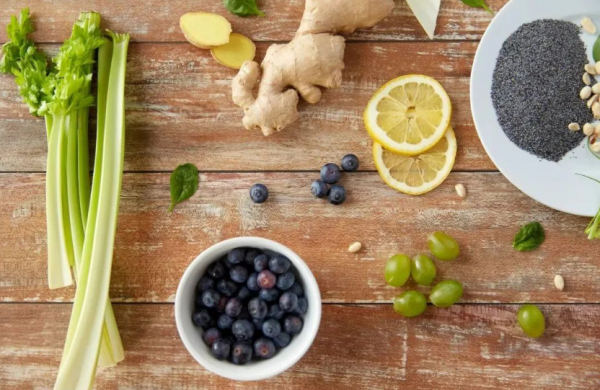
202 318
288 301
330 173
319 189
296 289
236 256
337 195
275 312
282 340
257 308
285 281
302 306
251 254
261 263
234 307
211 335
268 294
264 348
292 324
224 322
279 264
350 163
252 282
271 328
226 287
242 330
266 279
244 294
239 274
205 283
222 303
216 270
210 298
241 354
220 349
259 193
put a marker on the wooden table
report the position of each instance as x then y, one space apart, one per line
179 110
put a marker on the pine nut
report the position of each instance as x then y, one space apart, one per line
587 80
597 67
559 282
461 190
596 147
596 88
574 126
597 131
593 100
585 93
588 25
588 129
596 110
591 69
355 247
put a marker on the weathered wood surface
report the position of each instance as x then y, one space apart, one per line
154 247
158 20
367 347
180 109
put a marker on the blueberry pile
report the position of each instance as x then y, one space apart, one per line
331 175
249 305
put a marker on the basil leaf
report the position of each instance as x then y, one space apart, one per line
478 4
530 237
243 7
184 184
596 50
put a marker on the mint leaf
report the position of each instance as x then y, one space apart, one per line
530 237
243 7
184 184
478 4
596 50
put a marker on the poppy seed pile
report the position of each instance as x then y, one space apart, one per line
536 87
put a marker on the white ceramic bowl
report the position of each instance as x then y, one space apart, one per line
255 370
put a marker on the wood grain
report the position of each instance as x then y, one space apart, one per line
153 247
158 20
371 347
179 110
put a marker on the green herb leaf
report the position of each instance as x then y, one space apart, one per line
184 184
243 7
478 4
530 237
596 50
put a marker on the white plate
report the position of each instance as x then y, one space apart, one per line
556 185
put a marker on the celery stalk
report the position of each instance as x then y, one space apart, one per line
83 163
78 367
75 217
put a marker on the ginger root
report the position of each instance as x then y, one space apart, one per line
205 30
233 54
313 59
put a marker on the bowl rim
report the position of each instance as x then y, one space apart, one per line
258 371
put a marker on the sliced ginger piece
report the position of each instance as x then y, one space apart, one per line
233 54
205 30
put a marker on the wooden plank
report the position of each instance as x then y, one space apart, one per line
366 347
153 247
158 21
180 110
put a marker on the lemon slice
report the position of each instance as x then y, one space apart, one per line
409 114
416 175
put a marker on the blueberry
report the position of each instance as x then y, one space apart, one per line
302 306
350 163
210 298
279 264
226 287
224 322
252 282
296 289
266 279
220 349
259 193
203 318
285 281
261 263
211 335
330 173
271 328
288 301
282 340
234 307
268 294
275 312
251 254
244 294
257 308
264 348
216 270
239 274
222 303
319 189
241 354
242 330
205 283
236 256
292 324
337 195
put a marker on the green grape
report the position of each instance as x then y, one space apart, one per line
446 293
422 270
531 321
410 303
397 270
443 246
